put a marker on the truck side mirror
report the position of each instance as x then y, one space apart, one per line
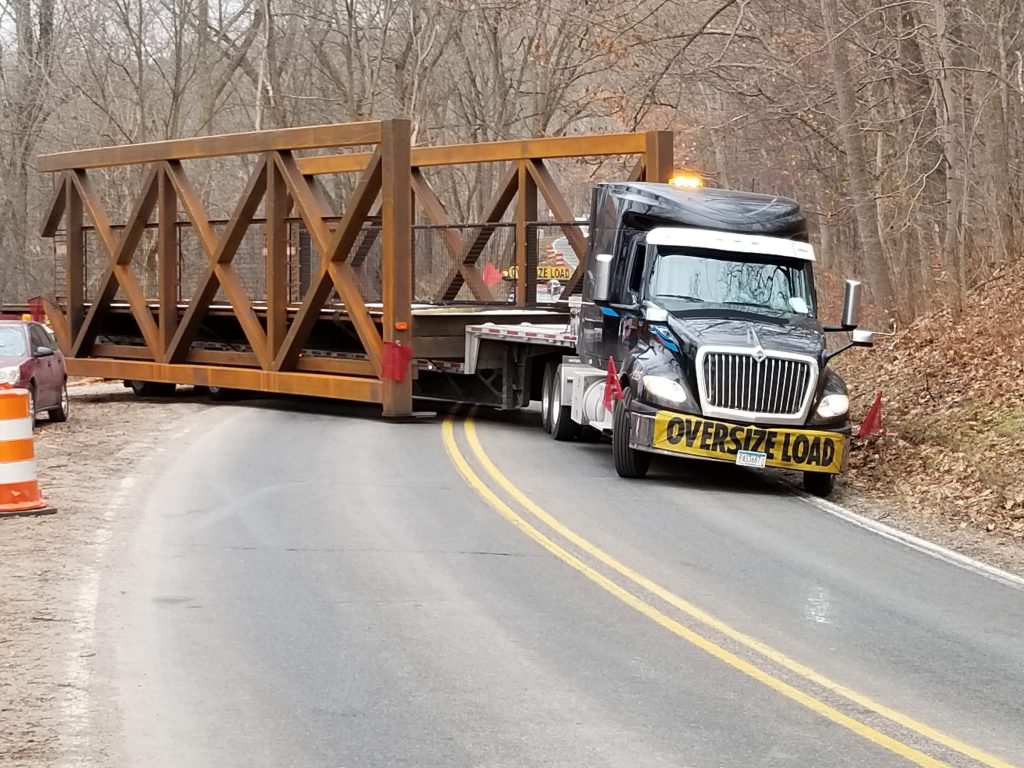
602 277
851 305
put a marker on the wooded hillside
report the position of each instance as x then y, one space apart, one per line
897 124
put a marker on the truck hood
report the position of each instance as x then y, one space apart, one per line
7 362
731 327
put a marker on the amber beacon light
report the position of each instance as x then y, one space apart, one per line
686 181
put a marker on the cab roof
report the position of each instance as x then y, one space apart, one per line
646 205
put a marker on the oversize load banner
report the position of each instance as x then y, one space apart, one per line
784 448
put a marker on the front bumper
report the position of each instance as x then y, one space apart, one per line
684 434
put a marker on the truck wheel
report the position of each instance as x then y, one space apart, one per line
562 425
819 483
546 388
151 388
222 395
629 462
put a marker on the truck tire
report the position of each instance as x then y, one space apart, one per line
151 388
819 483
562 425
546 392
629 462
222 395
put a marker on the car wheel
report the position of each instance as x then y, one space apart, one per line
31 388
62 411
629 462
819 483
562 425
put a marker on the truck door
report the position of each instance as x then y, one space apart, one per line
621 326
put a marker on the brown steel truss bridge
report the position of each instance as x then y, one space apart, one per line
293 292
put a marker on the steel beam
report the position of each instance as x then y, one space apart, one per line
307 137
396 258
526 255
604 145
277 206
334 386
167 263
658 162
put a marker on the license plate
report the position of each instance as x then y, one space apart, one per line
751 459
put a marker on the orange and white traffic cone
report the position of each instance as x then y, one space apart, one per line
19 487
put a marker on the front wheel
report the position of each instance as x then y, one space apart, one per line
63 410
819 483
629 462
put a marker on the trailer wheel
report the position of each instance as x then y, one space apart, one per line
547 385
151 388
819 483
629 462
222 395
562 425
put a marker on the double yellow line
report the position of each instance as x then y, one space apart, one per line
649 610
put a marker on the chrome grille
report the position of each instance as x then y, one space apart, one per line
738 382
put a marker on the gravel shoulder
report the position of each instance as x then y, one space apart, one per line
50 569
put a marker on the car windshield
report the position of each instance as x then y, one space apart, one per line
12 342
688 275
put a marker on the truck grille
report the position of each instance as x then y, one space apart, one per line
738 382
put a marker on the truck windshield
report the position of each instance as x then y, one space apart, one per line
687 275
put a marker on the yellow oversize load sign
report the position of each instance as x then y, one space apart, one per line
784 448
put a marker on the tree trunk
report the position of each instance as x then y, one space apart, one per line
861 186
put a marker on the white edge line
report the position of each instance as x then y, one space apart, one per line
914 542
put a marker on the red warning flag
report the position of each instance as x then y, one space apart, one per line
612 388
492 275
873 420
395 360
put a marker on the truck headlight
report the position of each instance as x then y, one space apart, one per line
665 391
832 406
10 375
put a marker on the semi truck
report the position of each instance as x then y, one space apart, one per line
689 328
697 335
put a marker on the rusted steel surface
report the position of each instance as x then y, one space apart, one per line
333 320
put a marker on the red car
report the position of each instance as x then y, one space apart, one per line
29 359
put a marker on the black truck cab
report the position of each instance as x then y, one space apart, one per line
703 302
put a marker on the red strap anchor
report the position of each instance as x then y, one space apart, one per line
612 388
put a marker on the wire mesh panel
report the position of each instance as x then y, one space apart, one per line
491 248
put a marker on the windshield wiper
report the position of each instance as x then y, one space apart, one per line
747 304
678 296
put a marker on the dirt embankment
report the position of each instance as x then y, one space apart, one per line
949 466
50 570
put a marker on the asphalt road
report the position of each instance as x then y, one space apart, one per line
309 589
